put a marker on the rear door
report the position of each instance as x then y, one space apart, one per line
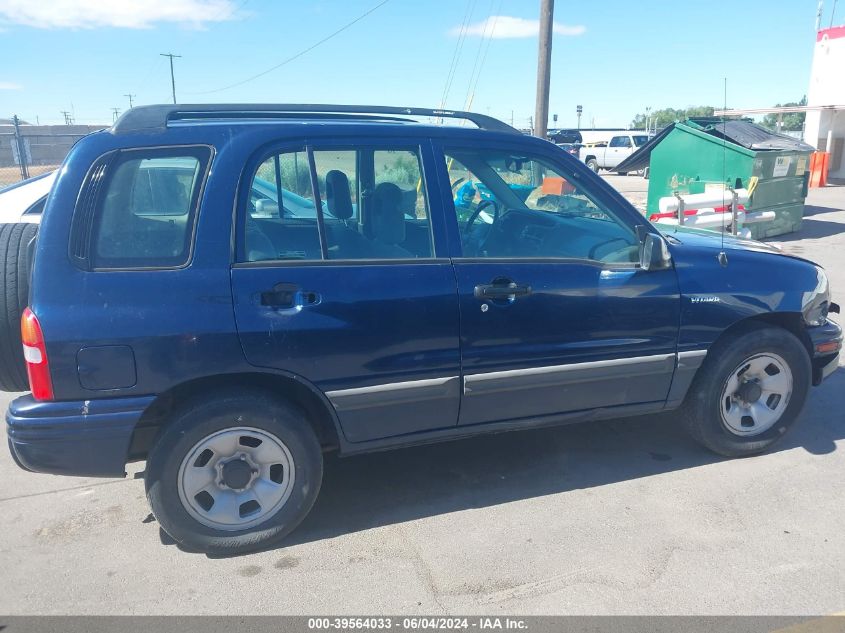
556 315
343 283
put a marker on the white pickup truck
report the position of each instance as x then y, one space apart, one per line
607 155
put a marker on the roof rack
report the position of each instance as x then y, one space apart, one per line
155 117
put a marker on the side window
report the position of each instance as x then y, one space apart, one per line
512 205
620 141
147 213
402 168
372 201
281 219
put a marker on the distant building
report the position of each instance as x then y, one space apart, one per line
825 128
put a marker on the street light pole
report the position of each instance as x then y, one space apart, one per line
544 64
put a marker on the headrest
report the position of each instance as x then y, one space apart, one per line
388 219
338 197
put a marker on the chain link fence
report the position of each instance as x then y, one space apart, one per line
27 150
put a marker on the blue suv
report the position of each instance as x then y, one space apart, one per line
227 292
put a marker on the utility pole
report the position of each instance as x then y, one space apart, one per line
578 111
544 67
130 96
22 147
172 78
68 117
115 112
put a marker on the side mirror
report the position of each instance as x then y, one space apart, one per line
654 254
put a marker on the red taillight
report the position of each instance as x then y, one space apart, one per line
35 354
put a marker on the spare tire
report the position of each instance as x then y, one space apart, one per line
16 242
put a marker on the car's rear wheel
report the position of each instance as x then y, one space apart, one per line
234 473
749 391
16 241
593 164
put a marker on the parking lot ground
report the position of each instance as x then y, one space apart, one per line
620 517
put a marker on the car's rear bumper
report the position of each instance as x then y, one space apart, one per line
87 437
827 345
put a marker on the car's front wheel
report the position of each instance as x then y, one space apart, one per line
234 473
749 391
593 164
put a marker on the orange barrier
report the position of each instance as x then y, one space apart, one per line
557 186
819 164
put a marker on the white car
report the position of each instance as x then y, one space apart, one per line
24 201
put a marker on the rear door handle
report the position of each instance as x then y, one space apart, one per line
501 290
287 296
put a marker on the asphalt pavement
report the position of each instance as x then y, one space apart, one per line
626 516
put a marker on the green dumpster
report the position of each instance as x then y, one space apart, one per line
701 155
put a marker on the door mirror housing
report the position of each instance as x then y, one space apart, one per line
654 253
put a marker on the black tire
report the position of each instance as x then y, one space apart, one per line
645 173
702 409
593 164
15 257
207 416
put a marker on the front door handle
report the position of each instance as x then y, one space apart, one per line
288 295
501 289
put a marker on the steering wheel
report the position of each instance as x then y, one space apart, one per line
481 206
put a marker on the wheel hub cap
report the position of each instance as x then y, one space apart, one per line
236 478
756 394
237 473
749 392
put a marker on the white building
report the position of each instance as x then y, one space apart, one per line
825 126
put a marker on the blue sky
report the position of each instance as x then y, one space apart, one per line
614 57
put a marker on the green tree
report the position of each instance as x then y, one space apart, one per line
792 122
661 118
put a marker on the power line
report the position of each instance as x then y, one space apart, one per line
473 83
456 55
172 77
297 56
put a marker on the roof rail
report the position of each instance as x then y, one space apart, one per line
155 117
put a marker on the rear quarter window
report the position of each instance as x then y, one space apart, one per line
147 209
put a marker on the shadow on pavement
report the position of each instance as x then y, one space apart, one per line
379 489
812 229
811 210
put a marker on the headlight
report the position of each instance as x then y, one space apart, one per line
817 302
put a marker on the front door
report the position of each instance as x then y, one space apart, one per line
617 150
338 283
556 315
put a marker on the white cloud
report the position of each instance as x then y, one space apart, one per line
8 85
505 26
130 14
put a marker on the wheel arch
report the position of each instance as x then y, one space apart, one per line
318 410
792 322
